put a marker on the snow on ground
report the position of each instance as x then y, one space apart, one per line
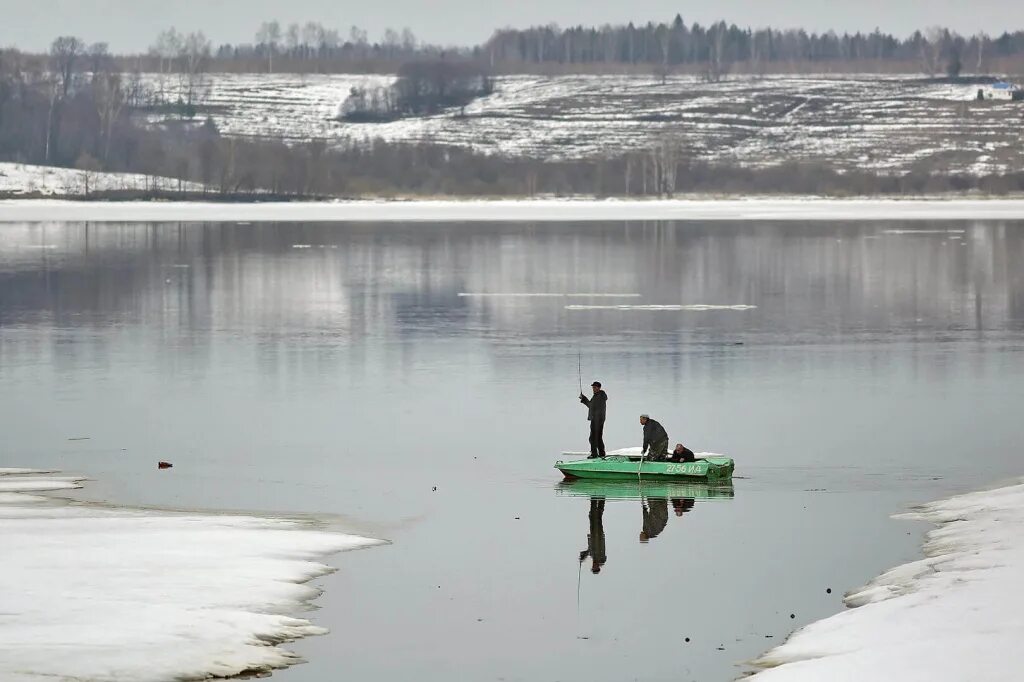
882 123
516 210
115 594
20 178
957 615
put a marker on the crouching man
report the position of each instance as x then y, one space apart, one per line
655 440
682 454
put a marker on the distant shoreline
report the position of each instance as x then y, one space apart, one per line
516 210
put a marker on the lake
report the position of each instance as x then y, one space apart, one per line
416 382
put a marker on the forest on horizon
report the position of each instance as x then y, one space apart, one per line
714 50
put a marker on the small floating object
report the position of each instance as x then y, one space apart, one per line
163 465
80 438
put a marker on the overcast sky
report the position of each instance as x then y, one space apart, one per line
131 25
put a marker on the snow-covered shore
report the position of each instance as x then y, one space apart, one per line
29 179
518 210
101 593
957 615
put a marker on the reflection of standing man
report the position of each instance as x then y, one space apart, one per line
596 410
595 538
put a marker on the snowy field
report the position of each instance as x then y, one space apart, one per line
870 122
103 593
954 616
516 210
25 179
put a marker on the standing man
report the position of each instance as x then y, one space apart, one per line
596 410
655 439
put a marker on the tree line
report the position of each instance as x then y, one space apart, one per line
719 46
664 47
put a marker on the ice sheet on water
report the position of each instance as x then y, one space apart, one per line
37 484
10 471
956 615
691 307
709 208
122 594
466 294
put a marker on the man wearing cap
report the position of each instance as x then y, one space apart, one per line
655 439
596 410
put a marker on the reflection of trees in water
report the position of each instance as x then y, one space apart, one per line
358 280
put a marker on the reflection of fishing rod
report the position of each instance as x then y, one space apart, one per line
579 575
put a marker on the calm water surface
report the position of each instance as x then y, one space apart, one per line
342 370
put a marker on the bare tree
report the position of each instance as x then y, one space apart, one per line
269 36
109 97
664 40
65 54
99 58
979 63
166 48
195 54
292 38
931 49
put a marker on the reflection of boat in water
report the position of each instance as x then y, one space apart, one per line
634 489
614 466
659 499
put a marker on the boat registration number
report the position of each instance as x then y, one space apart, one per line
687 468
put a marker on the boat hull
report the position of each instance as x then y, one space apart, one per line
621 467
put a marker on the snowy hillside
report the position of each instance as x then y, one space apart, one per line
865 122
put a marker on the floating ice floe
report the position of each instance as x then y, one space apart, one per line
545 295
695 306
956 615
100 593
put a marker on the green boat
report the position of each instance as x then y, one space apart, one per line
711 468
632 489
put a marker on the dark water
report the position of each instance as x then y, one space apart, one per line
881 366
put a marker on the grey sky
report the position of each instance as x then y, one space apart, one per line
131 25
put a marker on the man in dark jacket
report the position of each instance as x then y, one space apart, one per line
596 410
683 454
655 439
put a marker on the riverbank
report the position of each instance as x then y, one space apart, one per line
120 593
956 615
704 209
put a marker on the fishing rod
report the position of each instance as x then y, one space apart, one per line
579 368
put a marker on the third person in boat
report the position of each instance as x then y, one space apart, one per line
655 440
682 454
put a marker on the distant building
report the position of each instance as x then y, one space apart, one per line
1002 90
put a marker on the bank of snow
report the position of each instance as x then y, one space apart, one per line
27 179
956 615
94 593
